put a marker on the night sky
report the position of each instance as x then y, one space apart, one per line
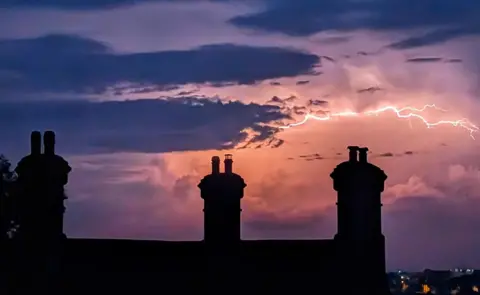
142 95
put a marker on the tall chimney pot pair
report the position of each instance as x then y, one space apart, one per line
228 162
48 143
357 154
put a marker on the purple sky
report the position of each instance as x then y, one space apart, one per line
187 80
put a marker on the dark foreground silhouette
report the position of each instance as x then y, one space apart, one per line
37 257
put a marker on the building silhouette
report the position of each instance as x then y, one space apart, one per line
359 239
353 262
222 193
36 214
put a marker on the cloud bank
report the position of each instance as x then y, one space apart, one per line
60 63
149 126
440 20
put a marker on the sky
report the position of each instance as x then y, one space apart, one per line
141 95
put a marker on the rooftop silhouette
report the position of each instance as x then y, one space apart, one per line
40 257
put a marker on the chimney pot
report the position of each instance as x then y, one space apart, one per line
35 143
353 153
215 165
363 154
49 142
228 163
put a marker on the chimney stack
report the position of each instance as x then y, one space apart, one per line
228 163
353 153
215 165
35 143
49 143
363 154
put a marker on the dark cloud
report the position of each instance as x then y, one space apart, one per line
434 37
275 83
299 110
138 126
272 142
125 90
80 4
286 106
291 98
372 89
303 82
389 154
263 136
59 63
67 4
317 102
311 157
454 60
330 59
282 101
276 100
263 133
186 93
278 143
296 18
424 59
446 19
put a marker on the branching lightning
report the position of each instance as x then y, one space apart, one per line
403 113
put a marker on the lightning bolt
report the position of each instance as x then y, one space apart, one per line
403 113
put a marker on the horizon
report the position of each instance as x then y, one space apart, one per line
142 95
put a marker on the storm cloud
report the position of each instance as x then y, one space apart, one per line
75 4
443 19
150 126
62 63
